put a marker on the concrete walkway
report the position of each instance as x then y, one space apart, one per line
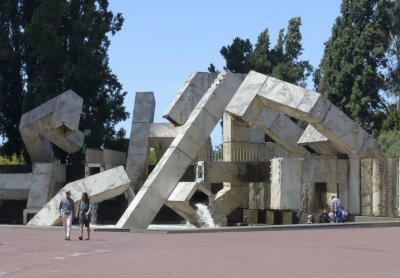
372 252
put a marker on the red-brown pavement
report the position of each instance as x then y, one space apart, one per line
368 252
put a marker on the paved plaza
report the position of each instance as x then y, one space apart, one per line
352 252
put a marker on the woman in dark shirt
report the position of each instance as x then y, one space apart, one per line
84 210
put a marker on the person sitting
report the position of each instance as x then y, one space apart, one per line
310 219
344 215
331 216
323 217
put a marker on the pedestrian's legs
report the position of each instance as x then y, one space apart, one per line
81 230
64 220
88 232
335 216
69 224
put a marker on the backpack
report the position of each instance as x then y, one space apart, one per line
344 215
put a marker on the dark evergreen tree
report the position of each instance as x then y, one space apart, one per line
282 61
11 79
211 68
349 71
65 44
236 55
392 76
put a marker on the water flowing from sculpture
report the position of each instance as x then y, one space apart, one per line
204 216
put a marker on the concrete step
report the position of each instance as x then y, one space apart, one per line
359 218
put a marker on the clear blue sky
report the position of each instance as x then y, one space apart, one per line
162 42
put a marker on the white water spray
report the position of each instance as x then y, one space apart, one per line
204 216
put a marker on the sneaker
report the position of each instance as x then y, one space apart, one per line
67 238
81 238
88 238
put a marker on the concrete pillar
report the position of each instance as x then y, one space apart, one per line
235 139
287 217
354 206
286 183
250 216
366 186
138 152
270 217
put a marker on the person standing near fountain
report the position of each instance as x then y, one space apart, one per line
84 210
66 209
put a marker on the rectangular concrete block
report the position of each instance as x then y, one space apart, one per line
270 217
366 186
287 217
354 186
56 120
139 142
282 130
230 197
259 195
319 169
143 111
67 113
99 187
188 96
250 216
286 181
14 186
232 131
245 106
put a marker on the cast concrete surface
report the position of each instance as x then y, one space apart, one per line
373 252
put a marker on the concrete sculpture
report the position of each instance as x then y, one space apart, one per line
245 179
181 153
55 121
99 187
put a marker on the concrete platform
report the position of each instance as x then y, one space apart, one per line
307 253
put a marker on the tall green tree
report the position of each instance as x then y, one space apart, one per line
236 55
65 44
349 71
11 78
282 61
392 76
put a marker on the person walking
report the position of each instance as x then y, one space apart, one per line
335 207
66 209
84 210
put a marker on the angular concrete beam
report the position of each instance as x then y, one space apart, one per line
182 151
161 135
99 187
316 141
180 197
56 121
138 152
312 107
229 198
188 96
282 130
